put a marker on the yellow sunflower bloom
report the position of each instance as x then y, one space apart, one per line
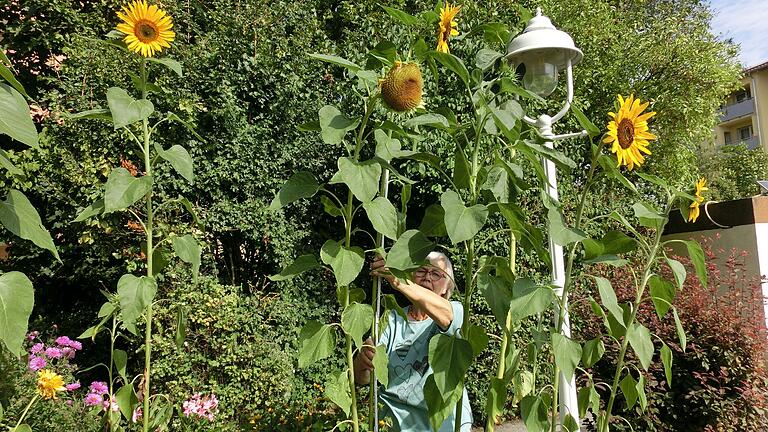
48 383
447 26
694 211
628 132
147 28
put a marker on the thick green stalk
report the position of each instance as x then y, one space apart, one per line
150 247
633 316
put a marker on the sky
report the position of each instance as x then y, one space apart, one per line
746 22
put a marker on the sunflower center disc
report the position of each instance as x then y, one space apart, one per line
146 31
625 133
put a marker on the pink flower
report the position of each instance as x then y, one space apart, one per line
93 399
53 352
136 416
99 387
68 352
36 363
75 345
37 348
110 404
73 386
32 335
200 406
63 341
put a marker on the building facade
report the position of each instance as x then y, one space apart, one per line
744 115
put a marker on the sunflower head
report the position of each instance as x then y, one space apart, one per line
447 26
401 88
628 132
48 383
693 209
147 28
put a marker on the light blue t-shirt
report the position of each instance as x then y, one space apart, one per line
407 343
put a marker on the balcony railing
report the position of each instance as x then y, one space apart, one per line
739 109
751 143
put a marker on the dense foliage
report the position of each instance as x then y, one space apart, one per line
248 82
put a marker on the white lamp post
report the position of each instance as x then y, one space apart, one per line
545 51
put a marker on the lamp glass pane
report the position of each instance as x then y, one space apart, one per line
540 76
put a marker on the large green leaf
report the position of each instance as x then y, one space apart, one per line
666 359
678 270
299 266
440 404
478 338
188 250
301 185
6 73
19 217
592 352
17 297
93 209
533 410
180 160
497 294
629 390
337 61
462 223
120 358
125 109
607 248
401 16
170 63
567 354
126 400
135 294
640 340
334 125
15 120
5 162
356 320
383 216
409 251
450 358
608 298
528 299
461 169
497 397
437 121
316 342
361 177
697 258
584 122
453 63
611 170
337 390
433 223
662 294
559 232
387 148
346 263
380 363
122 189
647 215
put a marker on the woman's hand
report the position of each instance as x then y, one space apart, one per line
379 269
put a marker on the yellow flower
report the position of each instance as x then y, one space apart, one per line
694 212
447 26
628 131
48 383
147 28
402 88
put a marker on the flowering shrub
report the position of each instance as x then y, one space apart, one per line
720 381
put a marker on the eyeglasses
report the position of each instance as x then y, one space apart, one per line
432 275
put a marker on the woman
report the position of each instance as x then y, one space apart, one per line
407 344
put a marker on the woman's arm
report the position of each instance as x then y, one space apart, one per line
437 307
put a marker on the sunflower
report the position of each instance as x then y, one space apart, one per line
628 131
693 212
48 383
147 28
447 26
402 87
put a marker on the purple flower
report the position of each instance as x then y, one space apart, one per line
200 406
93 399
63 341
110 404
37 348
99 387
36 363
53 352
136 416
32 335
75 345
73 386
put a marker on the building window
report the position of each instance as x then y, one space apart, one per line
745 133
727 137
743 95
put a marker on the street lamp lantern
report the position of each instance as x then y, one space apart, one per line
544 51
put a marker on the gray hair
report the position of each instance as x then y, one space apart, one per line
438 256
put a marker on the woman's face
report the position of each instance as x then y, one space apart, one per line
434 277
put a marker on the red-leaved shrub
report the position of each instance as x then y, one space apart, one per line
720 383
